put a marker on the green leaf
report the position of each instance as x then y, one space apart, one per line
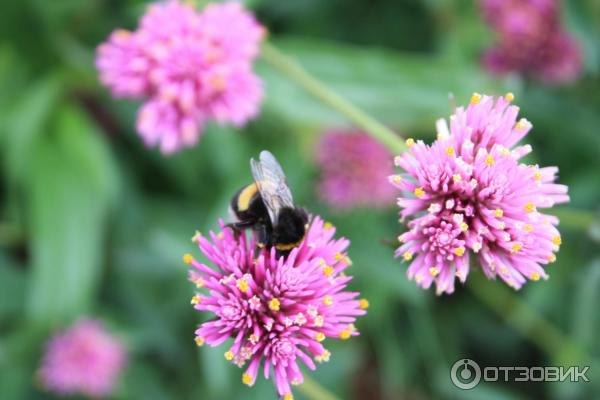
12 284
71 181
27 123
585 318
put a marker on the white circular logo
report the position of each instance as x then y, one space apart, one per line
465 374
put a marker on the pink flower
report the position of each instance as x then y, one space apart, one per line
531 40
189 67
353 166
468 192
83 359
528 20
277 312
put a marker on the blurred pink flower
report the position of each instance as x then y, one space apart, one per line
468 192
531 40
84 359
277 311
189 67
353 167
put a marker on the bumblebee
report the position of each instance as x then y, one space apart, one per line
266 206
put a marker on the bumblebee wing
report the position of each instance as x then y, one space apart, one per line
272 184
274 173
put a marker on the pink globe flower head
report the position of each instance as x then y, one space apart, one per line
562 59
528 20
468 192
84 359
531 40
239 43
353 166
123 65
189 67
276 311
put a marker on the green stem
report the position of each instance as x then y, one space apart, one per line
313 390
294 71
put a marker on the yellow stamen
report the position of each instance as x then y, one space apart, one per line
199 283
522 124
345 334
187 258
338 257
434 271
121 34
410 142
450 151
499 212
535 276
323 357
397 179
557 240
328 300
552 257
320 336
489 160
464 226
274 304
199 341
509 97
363 304
229 355
459 251
328 270
528 228
217 82
419 192
529 207
242 284
319 320
196 236
327 226
476 98
537 176
456 178
195 300
247 379
288 396
407 255
516 247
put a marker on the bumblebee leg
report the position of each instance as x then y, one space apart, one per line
238 227
240 224
262 235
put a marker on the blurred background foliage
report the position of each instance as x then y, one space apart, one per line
92 223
